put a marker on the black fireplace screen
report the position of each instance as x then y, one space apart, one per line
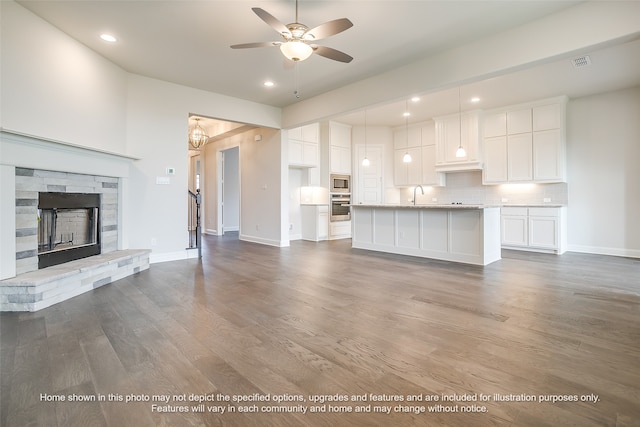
68 227
60 229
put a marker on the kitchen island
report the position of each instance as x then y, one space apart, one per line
461 233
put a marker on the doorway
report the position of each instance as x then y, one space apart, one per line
229 191
369 179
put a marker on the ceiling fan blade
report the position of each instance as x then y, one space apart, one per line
331 53
328 29
258 44
271 20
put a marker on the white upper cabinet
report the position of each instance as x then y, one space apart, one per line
452 132
404 139
534 145
548 156
519 121
340 148
303 146
419 143
495 160
495 124
519 158
548 116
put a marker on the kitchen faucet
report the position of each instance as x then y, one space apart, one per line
414 193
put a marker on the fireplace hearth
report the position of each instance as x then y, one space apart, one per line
68 227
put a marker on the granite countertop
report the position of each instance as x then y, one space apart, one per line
533 205
459 206
429 206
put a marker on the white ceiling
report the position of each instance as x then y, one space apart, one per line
187 42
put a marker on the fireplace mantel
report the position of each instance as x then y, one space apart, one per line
19 152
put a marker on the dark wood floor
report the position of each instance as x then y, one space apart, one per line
324 319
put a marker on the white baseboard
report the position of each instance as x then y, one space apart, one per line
263 241
231 228
169 256
622 252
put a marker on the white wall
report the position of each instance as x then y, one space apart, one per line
603 151
296 180
56 88
262 186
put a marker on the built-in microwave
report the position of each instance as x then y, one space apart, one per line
340 184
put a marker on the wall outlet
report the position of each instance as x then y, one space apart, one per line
547 200
434 199
505 200
154 241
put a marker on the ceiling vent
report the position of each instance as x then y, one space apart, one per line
581 61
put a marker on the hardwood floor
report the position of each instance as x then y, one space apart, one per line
323 319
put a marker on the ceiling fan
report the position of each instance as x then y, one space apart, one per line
297 42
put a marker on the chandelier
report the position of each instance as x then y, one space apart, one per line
197 136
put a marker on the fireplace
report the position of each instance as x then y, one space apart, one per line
68 227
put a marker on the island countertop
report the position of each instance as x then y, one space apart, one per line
427 206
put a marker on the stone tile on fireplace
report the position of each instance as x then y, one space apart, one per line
29 182
40 289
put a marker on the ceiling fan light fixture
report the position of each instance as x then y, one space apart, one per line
296 50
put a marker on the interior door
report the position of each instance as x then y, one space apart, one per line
369 178
230 190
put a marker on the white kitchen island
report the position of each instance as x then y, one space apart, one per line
461 233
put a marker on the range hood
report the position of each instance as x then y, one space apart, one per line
459 167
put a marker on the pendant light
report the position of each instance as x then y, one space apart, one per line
365 161
460 152
407 157
197 136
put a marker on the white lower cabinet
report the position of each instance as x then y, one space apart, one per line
541 229
514 227
315 222
339 230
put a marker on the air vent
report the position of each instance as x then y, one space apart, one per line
581 61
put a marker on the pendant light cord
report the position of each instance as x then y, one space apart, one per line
460 117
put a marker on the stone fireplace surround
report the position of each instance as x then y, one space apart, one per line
31 165
30 182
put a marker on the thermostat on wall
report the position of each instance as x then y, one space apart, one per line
171 171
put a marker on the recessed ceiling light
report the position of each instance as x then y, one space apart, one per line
415 99
475 99
108 38
406 114
269 83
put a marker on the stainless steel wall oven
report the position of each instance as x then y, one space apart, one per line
340 207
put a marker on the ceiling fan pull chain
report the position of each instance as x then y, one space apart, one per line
295 80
